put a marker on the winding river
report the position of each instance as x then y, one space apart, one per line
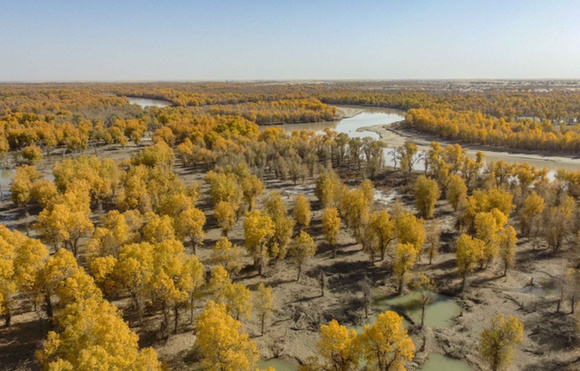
148 102
369 122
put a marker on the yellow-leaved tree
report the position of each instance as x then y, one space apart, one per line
264 304
469 252
497 343
222 341
301 249
426 194
331 226
301 211
228 255
95 337
189 223
405 258
258 229
339 347
385 345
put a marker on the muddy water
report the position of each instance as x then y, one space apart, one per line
146 102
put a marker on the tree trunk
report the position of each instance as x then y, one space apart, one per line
464 283
299 272
176 315
423 314
191 310
263 320
48 305
7 318
193 246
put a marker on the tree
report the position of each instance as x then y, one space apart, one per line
331 226
426 193
22 183
258 229
530 213
386 346
487 228
338 346
107 239
226 216
251 188
406 154
356 208
87 341
469 251
238 300
405 258
328 187
62 226
507 247
264 304
301 249
134 270
222 342
301 211
409 229
31 154
432 240
228 255
456 191
425 286
384 228
157 228
276 209
190 224
559 221
497 343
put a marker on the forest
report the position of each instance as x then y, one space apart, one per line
210 235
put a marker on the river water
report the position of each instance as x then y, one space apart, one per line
146 102
366 117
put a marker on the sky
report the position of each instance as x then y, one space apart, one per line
180 40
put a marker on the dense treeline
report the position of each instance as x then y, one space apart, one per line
476 128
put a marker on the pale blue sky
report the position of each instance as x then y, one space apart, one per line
86 40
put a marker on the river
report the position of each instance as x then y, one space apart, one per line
148 102
369 122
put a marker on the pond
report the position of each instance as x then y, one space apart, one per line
438 312
278 364
438 362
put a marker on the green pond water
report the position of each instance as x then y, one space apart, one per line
278 364
438 362
435 362
437 315
438 312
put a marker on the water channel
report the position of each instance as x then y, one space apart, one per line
148 102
